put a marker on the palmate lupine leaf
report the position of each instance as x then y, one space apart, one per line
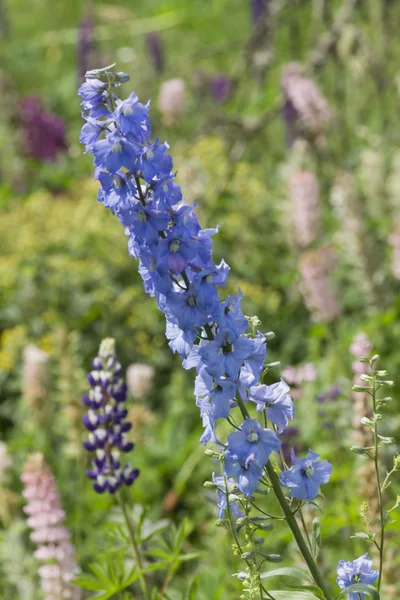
111 577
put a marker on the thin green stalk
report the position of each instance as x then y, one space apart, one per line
305 528
290 519
378 482
134 544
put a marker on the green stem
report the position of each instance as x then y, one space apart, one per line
134 544
305 528
378 482
290 519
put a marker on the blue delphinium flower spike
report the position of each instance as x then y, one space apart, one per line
106 422
358 571
306 475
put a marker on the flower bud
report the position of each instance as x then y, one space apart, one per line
270 335
396 462
359 388
274 558
210 484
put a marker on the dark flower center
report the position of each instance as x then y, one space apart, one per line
227 347
192 300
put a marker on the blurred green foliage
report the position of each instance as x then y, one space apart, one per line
67 281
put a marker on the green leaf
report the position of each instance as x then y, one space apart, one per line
361 588
316 537
289 595
361 535
291 572
88 582
192 590
308 588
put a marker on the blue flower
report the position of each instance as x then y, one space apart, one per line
95 97
180 341
247 473
252 441
226 353
91 131
232 315
194 307
223 483
214 396
276 400
154 283
143 221
133 118
153 162
114 152
253 366
306 475
217 274
166 192
174 253
358 571
184 218
116 189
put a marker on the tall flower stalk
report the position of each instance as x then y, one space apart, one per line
107 439
211 335
371 384
46 520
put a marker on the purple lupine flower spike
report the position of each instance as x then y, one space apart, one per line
106 422
156 51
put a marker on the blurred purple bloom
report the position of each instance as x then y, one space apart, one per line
259 9
221 87
85 44
43 132
156 51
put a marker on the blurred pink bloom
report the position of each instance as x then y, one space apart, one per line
172 100
139 379
319 298
360 346
46 520
304 196
304 104
394 240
